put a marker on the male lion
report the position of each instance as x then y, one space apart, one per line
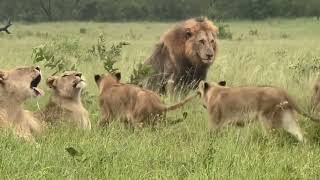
16 86
183 56
272 105
65 102
130 103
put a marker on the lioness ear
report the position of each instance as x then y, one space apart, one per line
97 77
51 81
222 83
3 76
188 33
118 76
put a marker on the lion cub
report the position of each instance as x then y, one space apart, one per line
16 86
129 103
65 102
272 105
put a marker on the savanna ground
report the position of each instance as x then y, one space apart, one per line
279 52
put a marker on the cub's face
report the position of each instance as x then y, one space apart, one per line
106 79
67 85
21 83
204 88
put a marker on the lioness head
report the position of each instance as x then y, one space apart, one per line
107 79
21 83
201 40
67 85
204 88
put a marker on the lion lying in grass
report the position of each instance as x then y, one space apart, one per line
130 103
65 102
16 86
273 106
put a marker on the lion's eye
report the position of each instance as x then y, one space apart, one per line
65 75
212 41
202 41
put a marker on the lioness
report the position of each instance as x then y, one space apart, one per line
129 103
16 86
65 102
183 55
272 105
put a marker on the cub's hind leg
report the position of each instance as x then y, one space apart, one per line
290 124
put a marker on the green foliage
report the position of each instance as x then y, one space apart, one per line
302 67
59 55
108 10
108 56
224 31
139 74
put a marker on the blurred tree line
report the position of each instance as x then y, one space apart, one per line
126 10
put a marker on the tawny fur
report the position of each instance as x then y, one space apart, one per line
183 55
130 103
315 99
271 105
65 103
16 86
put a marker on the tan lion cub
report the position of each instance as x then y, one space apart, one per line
272 105
129 103
16 86
65 102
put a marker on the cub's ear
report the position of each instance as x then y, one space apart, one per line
52 81
97 78
188 33
204 85
222 83
3 76
118 76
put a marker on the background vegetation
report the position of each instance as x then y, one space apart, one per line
279 52
159 10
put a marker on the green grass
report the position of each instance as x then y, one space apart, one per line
184 150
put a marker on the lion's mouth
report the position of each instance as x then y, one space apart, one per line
79 84
207 61
34 84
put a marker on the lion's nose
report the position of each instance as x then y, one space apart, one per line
37 68
209 56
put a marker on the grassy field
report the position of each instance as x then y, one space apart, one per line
284 53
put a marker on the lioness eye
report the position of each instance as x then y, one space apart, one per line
201 41
65 75
212 41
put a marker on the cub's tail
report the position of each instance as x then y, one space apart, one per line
180 104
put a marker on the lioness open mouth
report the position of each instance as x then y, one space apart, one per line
33 85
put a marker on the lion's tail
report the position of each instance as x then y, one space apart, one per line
180 104
301 112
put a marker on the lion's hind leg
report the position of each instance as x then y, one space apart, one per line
289 123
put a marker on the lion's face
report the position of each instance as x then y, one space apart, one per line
201 46
21 83
67 85
204 87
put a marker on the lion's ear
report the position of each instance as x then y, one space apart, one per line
3 76
97 77
52 81
222 83
204 85
188 33
118 76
